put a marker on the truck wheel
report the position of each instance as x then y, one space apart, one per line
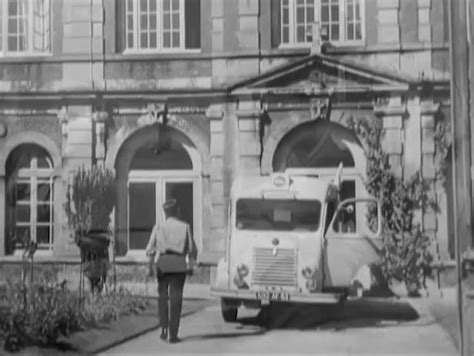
229 312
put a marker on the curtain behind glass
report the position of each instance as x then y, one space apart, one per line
23 28
41 26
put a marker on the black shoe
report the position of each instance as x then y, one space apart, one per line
164 335
175 340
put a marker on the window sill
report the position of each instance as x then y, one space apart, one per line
334 44
133 257
21 56
41 258
40 254
171 52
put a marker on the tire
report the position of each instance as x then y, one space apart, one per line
229 312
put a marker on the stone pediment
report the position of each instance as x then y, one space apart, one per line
319 72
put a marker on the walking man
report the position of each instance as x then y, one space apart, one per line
172 246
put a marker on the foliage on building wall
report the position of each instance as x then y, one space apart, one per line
406 253
443 139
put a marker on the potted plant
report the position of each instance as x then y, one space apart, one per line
90 199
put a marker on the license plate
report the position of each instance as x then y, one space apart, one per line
276 296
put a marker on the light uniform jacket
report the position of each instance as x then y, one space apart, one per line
172 235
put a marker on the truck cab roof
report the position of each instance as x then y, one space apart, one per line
282 186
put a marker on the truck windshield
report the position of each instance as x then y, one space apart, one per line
275 214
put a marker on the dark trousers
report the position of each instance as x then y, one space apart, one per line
170 289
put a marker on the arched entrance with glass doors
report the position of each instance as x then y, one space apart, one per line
317 148
320 146
155 164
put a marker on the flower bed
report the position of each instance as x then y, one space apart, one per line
40 314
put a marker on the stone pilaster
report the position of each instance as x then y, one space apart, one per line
413 138
216 242
424 22
388 30
83 37
427 114
2 215
99 121
77 150
219 65
392 114
217 20
77 137
434 223
248 115
248 24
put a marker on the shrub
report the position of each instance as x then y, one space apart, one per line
406 252
110 305
90 198
40 314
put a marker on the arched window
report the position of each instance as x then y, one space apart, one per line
167 156
322 146
30 196
315 145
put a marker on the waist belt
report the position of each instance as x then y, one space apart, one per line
171 252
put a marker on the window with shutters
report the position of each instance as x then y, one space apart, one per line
25 27
162 25
341 20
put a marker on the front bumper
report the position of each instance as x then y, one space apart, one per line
314 298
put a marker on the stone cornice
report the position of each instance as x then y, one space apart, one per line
429 108
28 112
214 113
100 116
387 110
249 113
424 3
388 4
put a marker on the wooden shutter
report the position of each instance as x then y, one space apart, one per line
192 23
121 23
276 23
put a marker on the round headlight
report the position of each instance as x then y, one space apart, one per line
308 272
242 270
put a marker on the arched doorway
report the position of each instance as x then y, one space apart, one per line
319 147
156 163
29 198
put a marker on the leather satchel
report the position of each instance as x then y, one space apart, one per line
173 262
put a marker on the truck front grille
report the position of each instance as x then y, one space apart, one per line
271 269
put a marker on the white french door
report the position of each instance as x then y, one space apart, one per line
148 190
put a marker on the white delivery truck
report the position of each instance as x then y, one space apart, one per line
290 239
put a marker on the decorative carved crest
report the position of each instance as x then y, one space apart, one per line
320 108
156 115
316 80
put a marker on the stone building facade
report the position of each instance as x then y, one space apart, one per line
180 96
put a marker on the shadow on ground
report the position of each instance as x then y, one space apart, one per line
368 312
229 335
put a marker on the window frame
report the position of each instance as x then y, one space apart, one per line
4 34
317 17
159 31
33 176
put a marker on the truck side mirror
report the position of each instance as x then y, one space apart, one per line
349 208
358 215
